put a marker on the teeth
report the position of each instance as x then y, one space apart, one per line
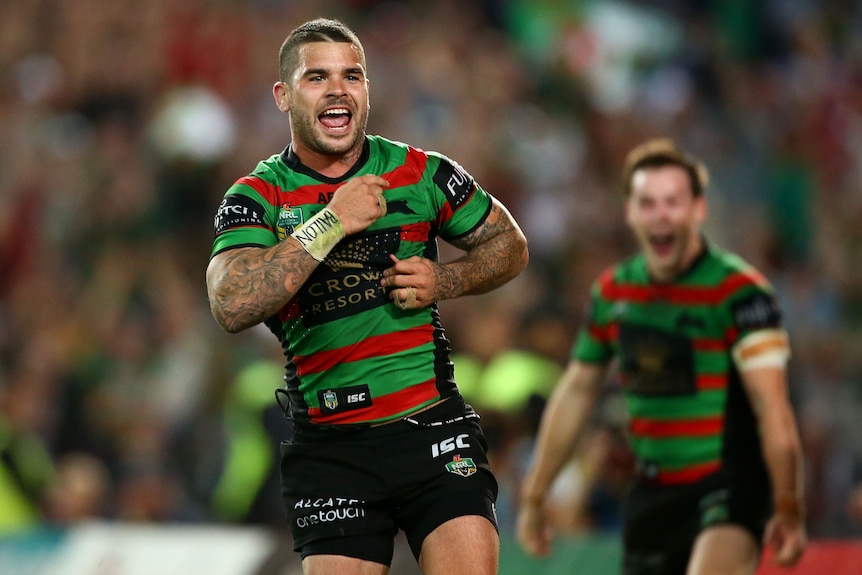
335 111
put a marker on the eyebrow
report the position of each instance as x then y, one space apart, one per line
324 71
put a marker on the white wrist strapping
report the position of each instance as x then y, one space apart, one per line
320 234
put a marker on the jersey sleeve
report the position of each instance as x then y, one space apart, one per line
461 204
753 307
243 220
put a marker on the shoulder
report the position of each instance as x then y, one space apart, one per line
410 154
626 271
749 296
734 271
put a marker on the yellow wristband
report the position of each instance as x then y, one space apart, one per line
320 234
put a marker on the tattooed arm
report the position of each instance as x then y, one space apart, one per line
495 253
248 285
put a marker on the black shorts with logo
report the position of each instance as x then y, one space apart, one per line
347 492
662 522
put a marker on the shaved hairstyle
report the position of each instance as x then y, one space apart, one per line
319 30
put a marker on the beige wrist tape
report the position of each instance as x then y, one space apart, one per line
763 348
320 234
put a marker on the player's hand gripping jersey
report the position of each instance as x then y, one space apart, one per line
679 350
379 361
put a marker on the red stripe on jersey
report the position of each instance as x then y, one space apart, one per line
711 381
444 215
262 187
291 310
689 474
416 232
677 294
703 344
374 346
383 406
606 333
410 171
658 428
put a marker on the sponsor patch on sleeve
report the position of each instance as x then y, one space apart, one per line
454 181
756 312
237 210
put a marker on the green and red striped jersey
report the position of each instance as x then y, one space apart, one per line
688 413
352 355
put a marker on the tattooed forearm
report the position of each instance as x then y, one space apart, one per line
248 285
496 253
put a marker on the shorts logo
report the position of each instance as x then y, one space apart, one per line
450 444
463 467
714 508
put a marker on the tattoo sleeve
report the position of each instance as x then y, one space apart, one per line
496 252
248 285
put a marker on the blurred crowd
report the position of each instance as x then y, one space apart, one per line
123 123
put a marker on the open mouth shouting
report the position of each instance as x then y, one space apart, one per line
661 244
336 120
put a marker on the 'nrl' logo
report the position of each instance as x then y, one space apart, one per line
330 399
463 467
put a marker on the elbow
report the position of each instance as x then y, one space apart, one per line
525 255
222 318
521 255
228 318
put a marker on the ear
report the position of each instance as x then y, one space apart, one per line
700 207
282 97
627 207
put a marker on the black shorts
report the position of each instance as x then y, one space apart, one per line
661 523
347 492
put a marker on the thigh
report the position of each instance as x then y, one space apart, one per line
724 550
329 564
467 545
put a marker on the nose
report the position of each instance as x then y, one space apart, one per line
336 86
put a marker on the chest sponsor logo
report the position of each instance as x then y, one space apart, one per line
656 362
348 281
463 467
344 399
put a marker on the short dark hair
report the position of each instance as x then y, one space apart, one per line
660 152
317 30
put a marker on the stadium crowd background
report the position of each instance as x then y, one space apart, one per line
123 123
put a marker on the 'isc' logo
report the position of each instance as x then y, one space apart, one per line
450 444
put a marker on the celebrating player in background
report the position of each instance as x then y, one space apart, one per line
702 359
332 245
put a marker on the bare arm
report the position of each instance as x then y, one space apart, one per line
563 423
767 391
495 253
247 285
